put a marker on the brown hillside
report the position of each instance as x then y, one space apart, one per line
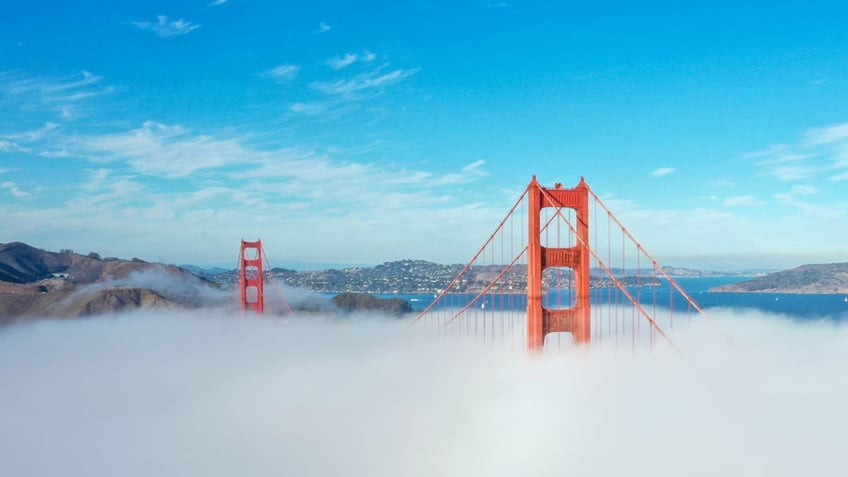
21 263
88 285
108 300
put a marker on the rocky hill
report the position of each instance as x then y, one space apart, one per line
35 282
808 279
20 263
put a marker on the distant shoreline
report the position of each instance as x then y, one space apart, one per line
813 279
720 289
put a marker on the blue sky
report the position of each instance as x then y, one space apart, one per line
361 132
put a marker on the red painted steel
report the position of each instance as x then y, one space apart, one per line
251 277
577 319
593 287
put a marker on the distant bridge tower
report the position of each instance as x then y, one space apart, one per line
250 277
577 319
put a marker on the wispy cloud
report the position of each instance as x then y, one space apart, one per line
310 109
336 98
215 3
162 150
59 89
785 163
36 142
13 189
820 151
791 172
181 181
650 225
817 211
341 62
282 73
174 152
164 28
357 150
662 171
778 154
8 146
103 187
323 27
325 109
795 191
61 95
468 173
827 135
371 81
32 135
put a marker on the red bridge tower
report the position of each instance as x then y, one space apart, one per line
250 277
577 319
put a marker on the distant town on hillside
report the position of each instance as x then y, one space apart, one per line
420 276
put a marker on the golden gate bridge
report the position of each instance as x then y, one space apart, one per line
559 264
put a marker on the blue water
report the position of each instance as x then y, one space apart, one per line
833 307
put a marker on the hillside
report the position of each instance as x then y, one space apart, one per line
35 282
826 278
20 263
420 276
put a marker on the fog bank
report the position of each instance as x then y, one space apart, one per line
208 394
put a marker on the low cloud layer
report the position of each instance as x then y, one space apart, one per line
209 394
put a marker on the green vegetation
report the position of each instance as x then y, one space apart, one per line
351 302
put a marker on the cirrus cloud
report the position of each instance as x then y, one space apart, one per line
281 73
164 28
374 80
662 171
821 151
341 62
